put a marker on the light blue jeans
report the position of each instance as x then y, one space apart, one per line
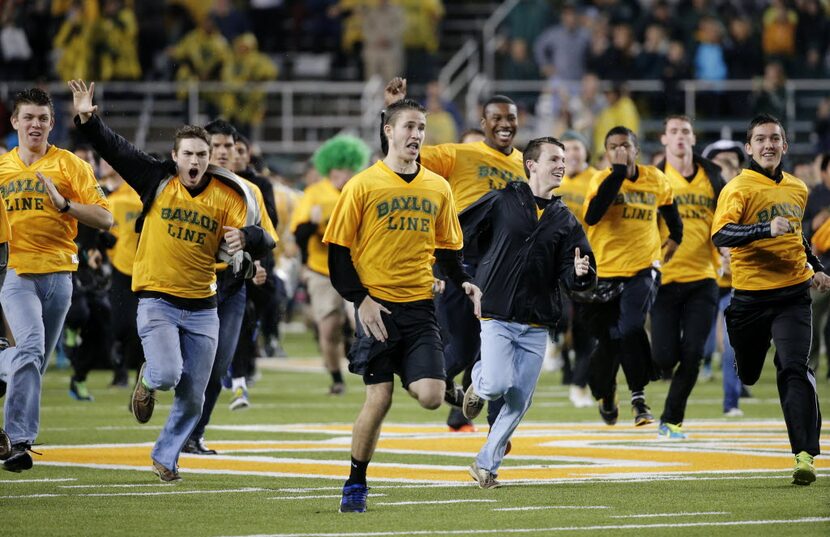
511 361
35 306
180 346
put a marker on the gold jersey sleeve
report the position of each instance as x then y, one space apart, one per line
473 170
775 262
126 208
325 195
393 228
626 240
573 190
696 258
181 236
42 238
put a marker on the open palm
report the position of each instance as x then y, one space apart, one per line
82 98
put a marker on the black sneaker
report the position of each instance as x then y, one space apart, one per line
609 411
454 395
197 447
642 413
5 445
19 459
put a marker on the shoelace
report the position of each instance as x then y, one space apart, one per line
26 447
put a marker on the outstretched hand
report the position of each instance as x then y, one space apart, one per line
82 99
395 91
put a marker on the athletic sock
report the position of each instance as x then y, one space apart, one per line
337 377
238 382
357 476
638 395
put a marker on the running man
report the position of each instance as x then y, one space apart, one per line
390 223
530 244
759 218
191 214
47 191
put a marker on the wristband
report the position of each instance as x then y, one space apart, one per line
65 207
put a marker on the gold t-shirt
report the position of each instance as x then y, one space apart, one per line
696 258
324 194
42 238
626 239
473 169
393 228
772 263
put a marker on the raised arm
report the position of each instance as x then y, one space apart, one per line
139 169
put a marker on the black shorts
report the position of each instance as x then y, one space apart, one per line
413 351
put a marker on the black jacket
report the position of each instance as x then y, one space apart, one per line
525 258
145 173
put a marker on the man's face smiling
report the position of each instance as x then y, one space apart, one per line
500 122
767 145
33 124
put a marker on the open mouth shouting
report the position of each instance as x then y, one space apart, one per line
414 147
193 173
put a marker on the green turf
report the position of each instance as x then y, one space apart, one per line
293 397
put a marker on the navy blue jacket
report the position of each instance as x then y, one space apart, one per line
524 257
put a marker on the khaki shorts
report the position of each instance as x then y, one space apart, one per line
324 299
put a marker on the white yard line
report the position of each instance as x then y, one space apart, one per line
502 531
542 507
314 497
655 515
159 493
436 502
44 480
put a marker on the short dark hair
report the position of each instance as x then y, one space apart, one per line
534 149
191 132
34 96
390 114
680 117
619 129
242 139
394 109
220 126
763 119
496 99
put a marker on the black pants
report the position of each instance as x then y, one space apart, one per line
127 350
582 343
619 326
783 316
680 323
90 315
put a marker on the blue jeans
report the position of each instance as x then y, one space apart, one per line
180 346
35 306
230 312
511 361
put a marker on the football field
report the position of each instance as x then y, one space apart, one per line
283 461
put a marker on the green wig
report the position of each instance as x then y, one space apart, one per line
343 152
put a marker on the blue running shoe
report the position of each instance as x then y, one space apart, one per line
354 498
670 431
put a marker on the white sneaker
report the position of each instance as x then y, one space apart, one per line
733 413
581 397
240 399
